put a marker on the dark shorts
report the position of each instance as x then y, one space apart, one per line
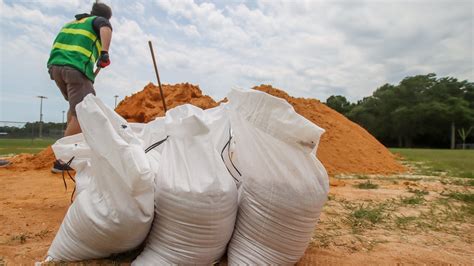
73 85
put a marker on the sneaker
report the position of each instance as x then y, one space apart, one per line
4 163
59 167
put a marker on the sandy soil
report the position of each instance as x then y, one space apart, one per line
33 204
438 230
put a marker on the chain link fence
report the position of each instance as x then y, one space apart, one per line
31 130
28 137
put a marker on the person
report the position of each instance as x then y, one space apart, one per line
80 44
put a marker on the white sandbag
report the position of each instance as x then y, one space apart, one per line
195 197
114 212
283 185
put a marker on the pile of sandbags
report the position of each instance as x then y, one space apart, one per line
241 177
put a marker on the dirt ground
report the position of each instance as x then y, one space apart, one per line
405 219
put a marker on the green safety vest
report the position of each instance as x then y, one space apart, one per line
77 46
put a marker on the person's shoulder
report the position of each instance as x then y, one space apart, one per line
101 19
100 22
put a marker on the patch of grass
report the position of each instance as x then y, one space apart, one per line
19 238
361 177
468 209
16 146
414 200
363 216
461 182
403 221
445 215
366 185
418 192
456 163
467 197
373 215
322 239
43 233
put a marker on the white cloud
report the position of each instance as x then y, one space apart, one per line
69 5
308 48
137 8
189 30
24 14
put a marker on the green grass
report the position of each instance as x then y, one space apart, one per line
418 192
364 216
373 215
415 200
455 163
467 197
366 185
403 221
16 146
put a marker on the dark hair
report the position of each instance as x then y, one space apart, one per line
102 10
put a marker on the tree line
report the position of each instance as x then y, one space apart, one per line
421 111
31 130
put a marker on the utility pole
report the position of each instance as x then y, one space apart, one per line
116 96
63 120
41 115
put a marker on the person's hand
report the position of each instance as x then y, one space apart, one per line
103 59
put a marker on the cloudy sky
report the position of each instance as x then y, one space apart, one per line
308 48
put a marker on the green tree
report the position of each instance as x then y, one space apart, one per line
420 111
339 103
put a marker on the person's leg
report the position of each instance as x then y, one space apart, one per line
56 74
78 87
74 86
73 126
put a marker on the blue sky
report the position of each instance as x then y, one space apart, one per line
308 48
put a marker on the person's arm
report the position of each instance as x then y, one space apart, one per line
103 29
105 37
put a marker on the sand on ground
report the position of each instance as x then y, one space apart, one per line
33 204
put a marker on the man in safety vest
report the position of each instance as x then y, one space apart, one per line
79 46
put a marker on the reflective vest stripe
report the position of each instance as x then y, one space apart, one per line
75 48
86 33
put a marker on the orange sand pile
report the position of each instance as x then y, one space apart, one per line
345 147
26 161
145 105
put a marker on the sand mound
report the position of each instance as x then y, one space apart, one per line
145 105
345 147
27 161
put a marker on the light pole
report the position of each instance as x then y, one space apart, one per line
116 96
63 121
41 115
